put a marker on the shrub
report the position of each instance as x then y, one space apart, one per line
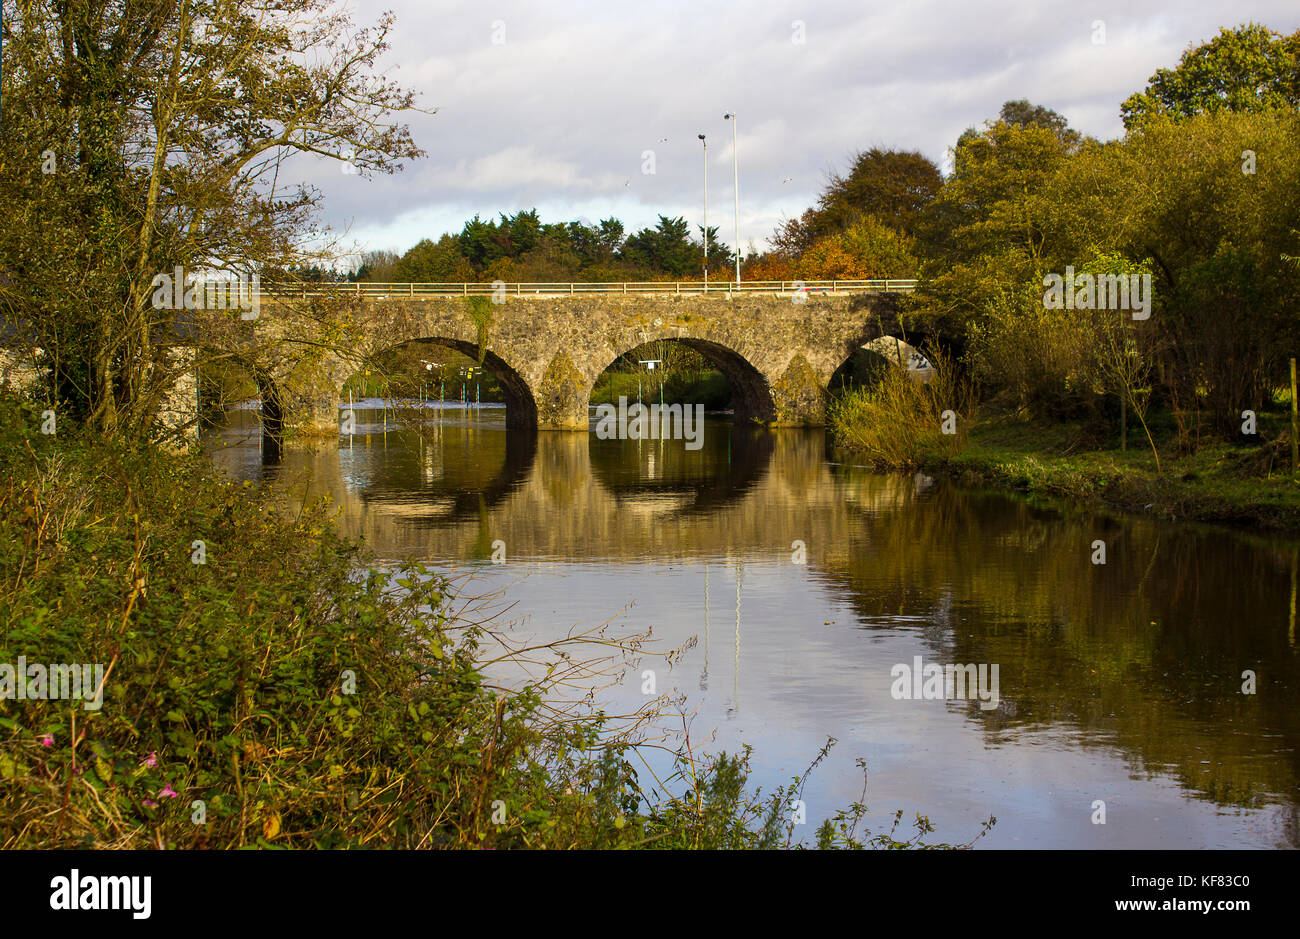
901 420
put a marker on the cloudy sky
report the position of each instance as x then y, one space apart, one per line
555 105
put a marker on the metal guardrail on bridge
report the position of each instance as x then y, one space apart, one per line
674 288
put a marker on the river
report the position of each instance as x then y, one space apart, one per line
809 584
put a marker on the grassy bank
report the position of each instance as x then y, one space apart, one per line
265 686
1219 483
1246 483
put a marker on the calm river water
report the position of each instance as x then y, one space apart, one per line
1119 683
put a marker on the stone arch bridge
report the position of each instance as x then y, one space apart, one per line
777 348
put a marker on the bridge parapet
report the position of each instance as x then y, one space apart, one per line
785 288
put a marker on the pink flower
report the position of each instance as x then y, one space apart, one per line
150 761
167 792
150 804
47 740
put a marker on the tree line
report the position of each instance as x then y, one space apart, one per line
1201 195
521 247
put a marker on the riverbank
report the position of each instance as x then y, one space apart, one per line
1233 485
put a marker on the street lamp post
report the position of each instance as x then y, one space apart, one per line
735 171
706 211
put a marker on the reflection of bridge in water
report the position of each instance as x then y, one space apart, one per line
451 490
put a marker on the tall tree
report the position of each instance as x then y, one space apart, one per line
377 266
434 262
1023 114
666 248
611 235
478 242
984 237
1248 68
892 185
169 122
720 258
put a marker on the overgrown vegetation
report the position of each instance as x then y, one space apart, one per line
130 150
901 420
1221 481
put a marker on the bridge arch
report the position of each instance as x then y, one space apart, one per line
223 381
868 361
214 394
521 406
751 393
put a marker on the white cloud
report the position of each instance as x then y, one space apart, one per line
557 117
515 168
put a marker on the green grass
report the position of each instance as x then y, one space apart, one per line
1220 482
1247 482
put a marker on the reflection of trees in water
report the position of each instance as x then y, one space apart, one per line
1142 653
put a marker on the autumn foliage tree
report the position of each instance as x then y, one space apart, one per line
868 249
892 186
153 134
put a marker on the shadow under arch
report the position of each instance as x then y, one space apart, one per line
751 395
271 407
865 365
521 407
